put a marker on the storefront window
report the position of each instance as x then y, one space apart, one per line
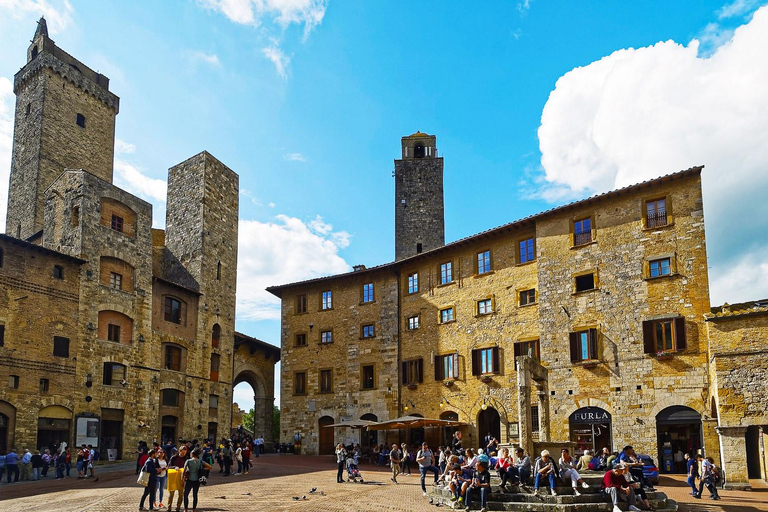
590 429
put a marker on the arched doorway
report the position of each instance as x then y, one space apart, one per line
325 436
591 429
7 425
53 426
369 438
448 431
488 421
677 428
753 440
169 427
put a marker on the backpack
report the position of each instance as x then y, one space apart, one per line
594 464
96 454
716 474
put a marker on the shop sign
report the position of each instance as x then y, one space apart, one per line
590 416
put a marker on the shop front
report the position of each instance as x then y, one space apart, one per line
591 429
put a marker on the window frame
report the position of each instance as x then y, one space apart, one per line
484 256
368 295
521 260
58 272
492 357
165 392
412 371
300 336
364 380
440 312
300 383
326 333
446 366
576 278
61 346
326 300
489 302
168 309
412 283
678 332
113 381
113 331
325 386
660 261
168 360
116 281
413 325
117 223
577 349
579 239
368 331
525 291
532 343
215 367
301 304
445 271
45 385
655 223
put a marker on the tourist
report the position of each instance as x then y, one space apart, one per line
175 482
584 461
47 461
635 466
568 470
407 457
376 453
522 466
191 476
456 447
12 465
692 470
426 461
492 445
470 460
611 460
246 457
603 463
616 487
481 482
67 460
441 460
162 476
341 457
37 465
504 465
141 449
544 467
239 459
708 477
395 460
26 465
151 469
460 481
226 453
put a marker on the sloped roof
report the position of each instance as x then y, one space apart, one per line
728 311
693 171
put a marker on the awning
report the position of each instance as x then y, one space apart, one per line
407 422
353 424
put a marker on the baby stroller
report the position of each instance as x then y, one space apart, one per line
352 472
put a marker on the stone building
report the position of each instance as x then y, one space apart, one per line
582 325
111 331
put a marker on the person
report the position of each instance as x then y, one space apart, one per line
504 467
261 444
2 464
141 450
12 465
470 460
481 483
341 457
610 461
175 483
635 466
191 476
679 458
456 447
152 470
37 465
162 476
226 453
246 457
521 467
616 487
67 460
426 462
47 462
239 459
692 471
544 467
93 458
395 459
568 470
707 477
441 460
492 445
406 469
603 461
26 465
584 461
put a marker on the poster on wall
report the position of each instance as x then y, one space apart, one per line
87 431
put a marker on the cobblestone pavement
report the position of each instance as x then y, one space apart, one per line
275 480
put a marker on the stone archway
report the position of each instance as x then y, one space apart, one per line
254 364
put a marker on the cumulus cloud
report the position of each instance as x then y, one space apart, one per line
6 143
131 178
309 13
58 14
283 251
641 113
295 157
278 58
211 59
737 8
122 147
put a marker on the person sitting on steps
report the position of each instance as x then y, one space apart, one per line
544 467
568 470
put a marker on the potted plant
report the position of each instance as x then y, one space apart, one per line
664 354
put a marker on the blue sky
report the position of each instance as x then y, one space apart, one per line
534 103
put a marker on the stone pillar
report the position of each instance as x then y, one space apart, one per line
733 454
524 403
543 397
711 440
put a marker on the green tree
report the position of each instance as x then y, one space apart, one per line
276 423
248 420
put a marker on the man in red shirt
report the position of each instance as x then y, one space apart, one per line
616 486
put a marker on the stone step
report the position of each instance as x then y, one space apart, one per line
565 495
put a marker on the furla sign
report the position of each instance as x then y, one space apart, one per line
591 415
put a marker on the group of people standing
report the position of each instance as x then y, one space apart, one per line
36 465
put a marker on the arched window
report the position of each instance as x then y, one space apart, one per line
215 335
418 151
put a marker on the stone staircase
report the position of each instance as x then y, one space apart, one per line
589 501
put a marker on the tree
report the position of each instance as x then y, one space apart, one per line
248 420
275 423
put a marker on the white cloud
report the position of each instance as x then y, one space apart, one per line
309 13
278 58
737 8
122 147
58 14
641 113
523 7
295 157
744 279
280 252
211 59
6 143
131 178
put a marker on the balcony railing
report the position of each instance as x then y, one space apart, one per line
582 238
656 219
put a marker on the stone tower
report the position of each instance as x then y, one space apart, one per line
419 211
65 118
201 231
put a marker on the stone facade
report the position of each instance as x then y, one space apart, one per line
738 371
419 212
137 333
593 291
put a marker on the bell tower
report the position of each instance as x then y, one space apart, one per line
64 119
419 210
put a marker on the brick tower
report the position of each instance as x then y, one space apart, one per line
419 211
65 118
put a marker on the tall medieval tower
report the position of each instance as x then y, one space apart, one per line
65 118
419 210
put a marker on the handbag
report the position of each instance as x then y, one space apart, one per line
143 479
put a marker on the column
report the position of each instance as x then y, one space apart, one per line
543 397
524 403
733 454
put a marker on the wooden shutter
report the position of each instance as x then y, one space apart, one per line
455 357
518 352
648 341
420 369
680 341
405 373
575 352
439 368
475 362
496 360
592 343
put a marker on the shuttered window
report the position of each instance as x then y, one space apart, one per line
413 371
485 361
664 335
583 345
447 367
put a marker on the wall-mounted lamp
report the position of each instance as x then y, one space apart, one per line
443 402
405 407
88 380
154 378
141 338
90 326
484 406
311 326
